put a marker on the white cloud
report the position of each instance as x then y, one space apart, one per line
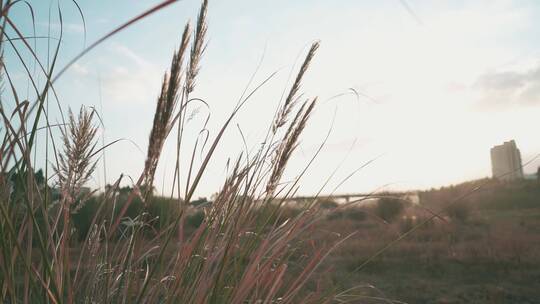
67 27
510 87
79 69
131 79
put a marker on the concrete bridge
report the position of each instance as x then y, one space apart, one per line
350 197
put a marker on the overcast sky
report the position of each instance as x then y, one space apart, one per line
440 82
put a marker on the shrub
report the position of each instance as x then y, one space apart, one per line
195 219
389 208
406 224
335 215
200 201
459 211
328 204
82 218
356 214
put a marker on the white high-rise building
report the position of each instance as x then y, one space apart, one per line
506 161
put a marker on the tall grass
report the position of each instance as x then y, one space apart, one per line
245 250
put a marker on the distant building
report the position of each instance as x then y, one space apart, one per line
506 161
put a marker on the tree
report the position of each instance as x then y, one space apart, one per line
19 183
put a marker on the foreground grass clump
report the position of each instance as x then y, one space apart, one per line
63 244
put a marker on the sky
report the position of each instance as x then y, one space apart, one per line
439 83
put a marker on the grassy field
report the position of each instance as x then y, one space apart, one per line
489 255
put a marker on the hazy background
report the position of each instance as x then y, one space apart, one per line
439 82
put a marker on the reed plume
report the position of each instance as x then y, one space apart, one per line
198 48
166 107
289 141
293 97
288 144
76 163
